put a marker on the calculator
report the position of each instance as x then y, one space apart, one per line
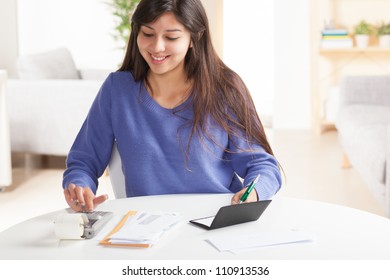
96 221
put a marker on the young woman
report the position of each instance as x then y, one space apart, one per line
182 120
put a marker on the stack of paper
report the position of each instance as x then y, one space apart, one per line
141 229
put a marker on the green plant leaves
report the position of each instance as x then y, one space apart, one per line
122 11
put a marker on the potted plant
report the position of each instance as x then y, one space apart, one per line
363 30
122 10
383 33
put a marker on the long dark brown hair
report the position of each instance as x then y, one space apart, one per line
218 92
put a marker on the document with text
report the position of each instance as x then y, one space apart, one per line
141 229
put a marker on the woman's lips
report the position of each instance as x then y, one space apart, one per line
158 59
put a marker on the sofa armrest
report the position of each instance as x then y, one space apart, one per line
51 90
94 74
387 175
388 146
369 90
387 151
46 115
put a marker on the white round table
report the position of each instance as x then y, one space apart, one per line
340 232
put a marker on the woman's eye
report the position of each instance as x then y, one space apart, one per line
172 38
147 34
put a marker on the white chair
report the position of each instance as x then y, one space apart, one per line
117 177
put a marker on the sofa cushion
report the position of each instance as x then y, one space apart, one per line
365 90
55 64
365 126
363 114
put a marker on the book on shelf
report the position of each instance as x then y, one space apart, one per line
334 32
335 38
329 44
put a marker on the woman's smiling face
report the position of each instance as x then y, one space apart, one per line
164 44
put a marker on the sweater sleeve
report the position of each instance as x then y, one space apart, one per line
248 162
91 150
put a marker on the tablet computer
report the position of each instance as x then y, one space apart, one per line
233 215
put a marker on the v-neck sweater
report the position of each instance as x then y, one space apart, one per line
152 143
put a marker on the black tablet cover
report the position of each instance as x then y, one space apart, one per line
234 214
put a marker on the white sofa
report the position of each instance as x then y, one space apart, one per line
46 110
363 125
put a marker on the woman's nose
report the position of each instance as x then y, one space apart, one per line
158 45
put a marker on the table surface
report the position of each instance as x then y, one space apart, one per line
340 232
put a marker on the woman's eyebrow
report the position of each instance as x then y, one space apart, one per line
167 30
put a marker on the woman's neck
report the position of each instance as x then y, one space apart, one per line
168 91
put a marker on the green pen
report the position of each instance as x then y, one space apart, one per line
249 189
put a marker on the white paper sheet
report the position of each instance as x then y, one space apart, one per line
205 221
241 243
145 228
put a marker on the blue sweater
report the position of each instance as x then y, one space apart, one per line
152 142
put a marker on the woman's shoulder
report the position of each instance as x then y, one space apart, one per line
120 77
119 84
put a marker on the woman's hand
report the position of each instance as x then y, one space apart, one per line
251 198
82 199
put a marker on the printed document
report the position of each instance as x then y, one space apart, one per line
141 229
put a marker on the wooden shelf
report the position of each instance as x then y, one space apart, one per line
370 50
330 65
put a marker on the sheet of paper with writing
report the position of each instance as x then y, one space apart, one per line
141 229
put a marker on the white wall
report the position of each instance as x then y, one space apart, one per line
8 36
292 65
249 47
214 10
82 26
265 41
